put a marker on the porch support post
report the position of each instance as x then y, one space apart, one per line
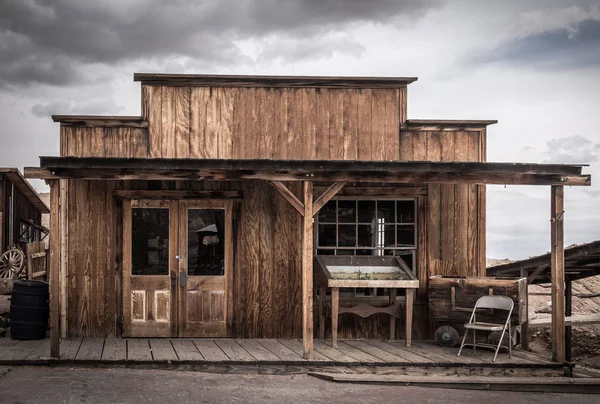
557 261
307 271
54 267
568 313
64 265
525 325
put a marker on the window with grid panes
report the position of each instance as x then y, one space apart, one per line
368 227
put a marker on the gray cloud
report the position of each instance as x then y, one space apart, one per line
576 46
94 106
573 149
56 42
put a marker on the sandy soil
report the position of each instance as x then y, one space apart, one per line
586 339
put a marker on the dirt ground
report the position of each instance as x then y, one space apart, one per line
586 339
41 385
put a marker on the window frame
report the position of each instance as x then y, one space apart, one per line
414 223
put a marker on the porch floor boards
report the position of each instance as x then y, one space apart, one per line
261 352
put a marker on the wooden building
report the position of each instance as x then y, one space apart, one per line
21 211
202 216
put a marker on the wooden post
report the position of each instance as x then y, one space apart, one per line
568 312
64 226
525 325
307 271
54 267
392 301
410 294
335 308
557 260
322 302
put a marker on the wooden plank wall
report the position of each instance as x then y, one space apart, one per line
24 210
81 141
453 222
267 268
250 123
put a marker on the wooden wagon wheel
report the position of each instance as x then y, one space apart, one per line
12 263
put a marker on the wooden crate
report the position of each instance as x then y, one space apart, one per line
451 299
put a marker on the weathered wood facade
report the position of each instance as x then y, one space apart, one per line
229 120
20 211
185 120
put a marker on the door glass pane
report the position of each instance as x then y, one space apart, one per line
206 242
149 241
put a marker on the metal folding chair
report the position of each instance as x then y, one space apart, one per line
495 303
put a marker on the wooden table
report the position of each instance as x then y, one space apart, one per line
389 272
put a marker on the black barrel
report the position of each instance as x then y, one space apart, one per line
29 309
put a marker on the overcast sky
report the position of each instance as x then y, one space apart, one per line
534 66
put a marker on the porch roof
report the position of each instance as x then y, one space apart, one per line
422 172
581 261
15 176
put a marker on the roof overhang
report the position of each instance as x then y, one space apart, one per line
15 176
212 80
581 261
422 172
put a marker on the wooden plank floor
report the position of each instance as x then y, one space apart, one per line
261 352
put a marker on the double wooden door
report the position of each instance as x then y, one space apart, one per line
177 268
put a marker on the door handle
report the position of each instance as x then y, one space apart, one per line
183 279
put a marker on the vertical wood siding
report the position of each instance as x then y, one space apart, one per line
454 217
284 123
267 282
23 210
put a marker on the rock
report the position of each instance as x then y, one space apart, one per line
547 309
2 332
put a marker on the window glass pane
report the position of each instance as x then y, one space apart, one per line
206 242
325 252
366 211
364 252
327 213
149 241
347 211
406 235
407 256
345 252
327 235
386 211
406 211
366 235
346 235
389 238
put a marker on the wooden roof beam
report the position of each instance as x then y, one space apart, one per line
101 121
340 176
214 80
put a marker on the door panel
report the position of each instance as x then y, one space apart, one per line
150 247
204 268
177 268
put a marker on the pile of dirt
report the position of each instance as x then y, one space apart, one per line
586 339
